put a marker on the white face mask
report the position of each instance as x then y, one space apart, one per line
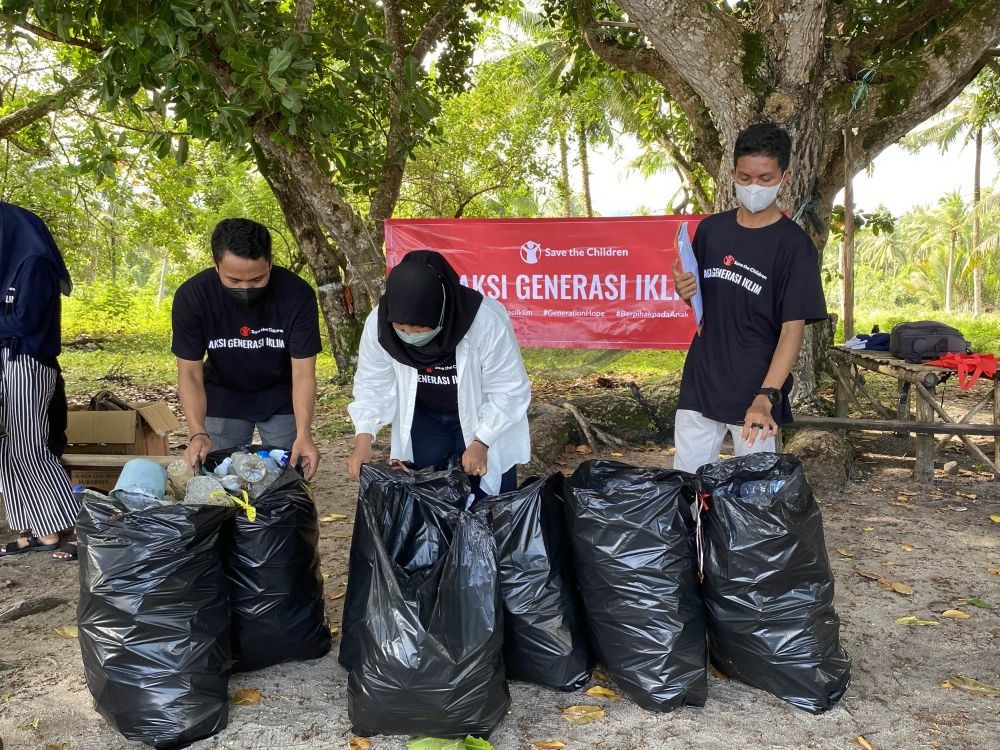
418 338
756 198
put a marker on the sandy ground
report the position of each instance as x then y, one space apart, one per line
939 540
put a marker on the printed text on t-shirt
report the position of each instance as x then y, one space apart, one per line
737 278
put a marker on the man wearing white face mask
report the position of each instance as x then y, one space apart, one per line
761 286
440 364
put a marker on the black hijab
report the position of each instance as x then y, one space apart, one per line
22 236
414 293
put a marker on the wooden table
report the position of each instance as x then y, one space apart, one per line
931 418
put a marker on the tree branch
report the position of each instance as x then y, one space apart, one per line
904 26
469 198
52 36
23 117
703 44
303 15
647 61
431 33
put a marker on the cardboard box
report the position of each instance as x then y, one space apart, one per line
141 431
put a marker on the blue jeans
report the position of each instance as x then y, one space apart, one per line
437 435
278 431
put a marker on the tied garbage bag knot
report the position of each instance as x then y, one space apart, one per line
243 502
768 585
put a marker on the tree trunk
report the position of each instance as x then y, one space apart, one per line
162 289
951 271
344 318
565 189
581 133
977 260
847 266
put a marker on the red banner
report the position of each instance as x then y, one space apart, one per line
581 283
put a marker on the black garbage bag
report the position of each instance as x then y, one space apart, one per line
415 534
275 583
768 585
429 656
634 544
545 638
153 620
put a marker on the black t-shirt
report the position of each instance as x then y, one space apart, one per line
437 387
752 281
249 370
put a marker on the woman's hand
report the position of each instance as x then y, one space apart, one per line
362 454
474 459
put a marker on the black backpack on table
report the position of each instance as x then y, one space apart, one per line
925 339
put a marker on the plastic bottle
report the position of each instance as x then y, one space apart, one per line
279 456
248 466
761 489
223 468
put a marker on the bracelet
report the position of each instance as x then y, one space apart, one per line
477 440
199 434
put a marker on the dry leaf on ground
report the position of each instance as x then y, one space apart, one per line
859 740
602 692
994 571
956 614
333 517
246 697
68 631
616 454
906 547
971 686
583 714
901 588
584 449
716 673
914 620
338 593
548 745
334 630
868 528
360 743
995 518
845 552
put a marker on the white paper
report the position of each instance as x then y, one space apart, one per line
690 265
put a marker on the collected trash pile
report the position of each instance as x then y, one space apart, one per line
185 578
649 572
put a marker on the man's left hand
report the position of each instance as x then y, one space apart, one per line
758 424
306 454
474 459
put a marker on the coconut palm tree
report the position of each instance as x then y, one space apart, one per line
971 118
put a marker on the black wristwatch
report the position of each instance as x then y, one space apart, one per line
773 395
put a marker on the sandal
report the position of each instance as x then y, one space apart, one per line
70 552
33 545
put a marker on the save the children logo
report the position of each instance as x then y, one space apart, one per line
530 251
729 260
245 331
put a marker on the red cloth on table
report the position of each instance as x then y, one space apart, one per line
969 366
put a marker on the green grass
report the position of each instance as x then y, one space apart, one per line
563 364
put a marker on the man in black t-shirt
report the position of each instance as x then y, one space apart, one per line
260 326
760 286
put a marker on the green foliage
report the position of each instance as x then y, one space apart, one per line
555 364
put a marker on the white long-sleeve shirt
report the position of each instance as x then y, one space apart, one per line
493 392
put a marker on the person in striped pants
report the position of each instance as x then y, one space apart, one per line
37 496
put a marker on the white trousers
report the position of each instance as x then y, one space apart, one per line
697 440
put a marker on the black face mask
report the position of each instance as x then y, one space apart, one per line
248 297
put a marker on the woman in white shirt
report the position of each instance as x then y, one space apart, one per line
440 364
